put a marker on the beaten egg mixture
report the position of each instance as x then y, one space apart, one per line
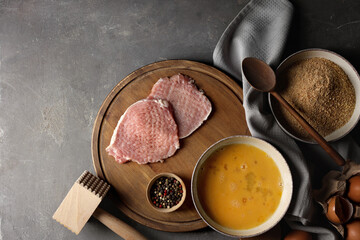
240 186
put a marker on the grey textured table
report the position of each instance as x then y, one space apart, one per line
60 59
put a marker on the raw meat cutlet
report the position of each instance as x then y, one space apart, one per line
145 133
191 106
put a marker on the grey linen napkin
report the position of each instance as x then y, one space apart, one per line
260 30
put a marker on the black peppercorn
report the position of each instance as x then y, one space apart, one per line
166 192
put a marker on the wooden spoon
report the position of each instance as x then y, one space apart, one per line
261 77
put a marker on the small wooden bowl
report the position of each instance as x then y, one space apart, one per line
148 194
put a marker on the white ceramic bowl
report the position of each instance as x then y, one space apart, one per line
285 198
353 77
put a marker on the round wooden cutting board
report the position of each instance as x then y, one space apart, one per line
130 179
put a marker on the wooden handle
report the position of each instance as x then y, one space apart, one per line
117 226
317 137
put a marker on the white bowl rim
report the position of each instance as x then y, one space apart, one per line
285 198
356 114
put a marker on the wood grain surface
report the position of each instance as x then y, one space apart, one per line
130 179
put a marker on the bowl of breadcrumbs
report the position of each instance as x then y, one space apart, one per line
324 88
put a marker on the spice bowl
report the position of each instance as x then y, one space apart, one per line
166 192
241 186
320 103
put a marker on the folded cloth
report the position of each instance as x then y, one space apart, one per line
260 30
